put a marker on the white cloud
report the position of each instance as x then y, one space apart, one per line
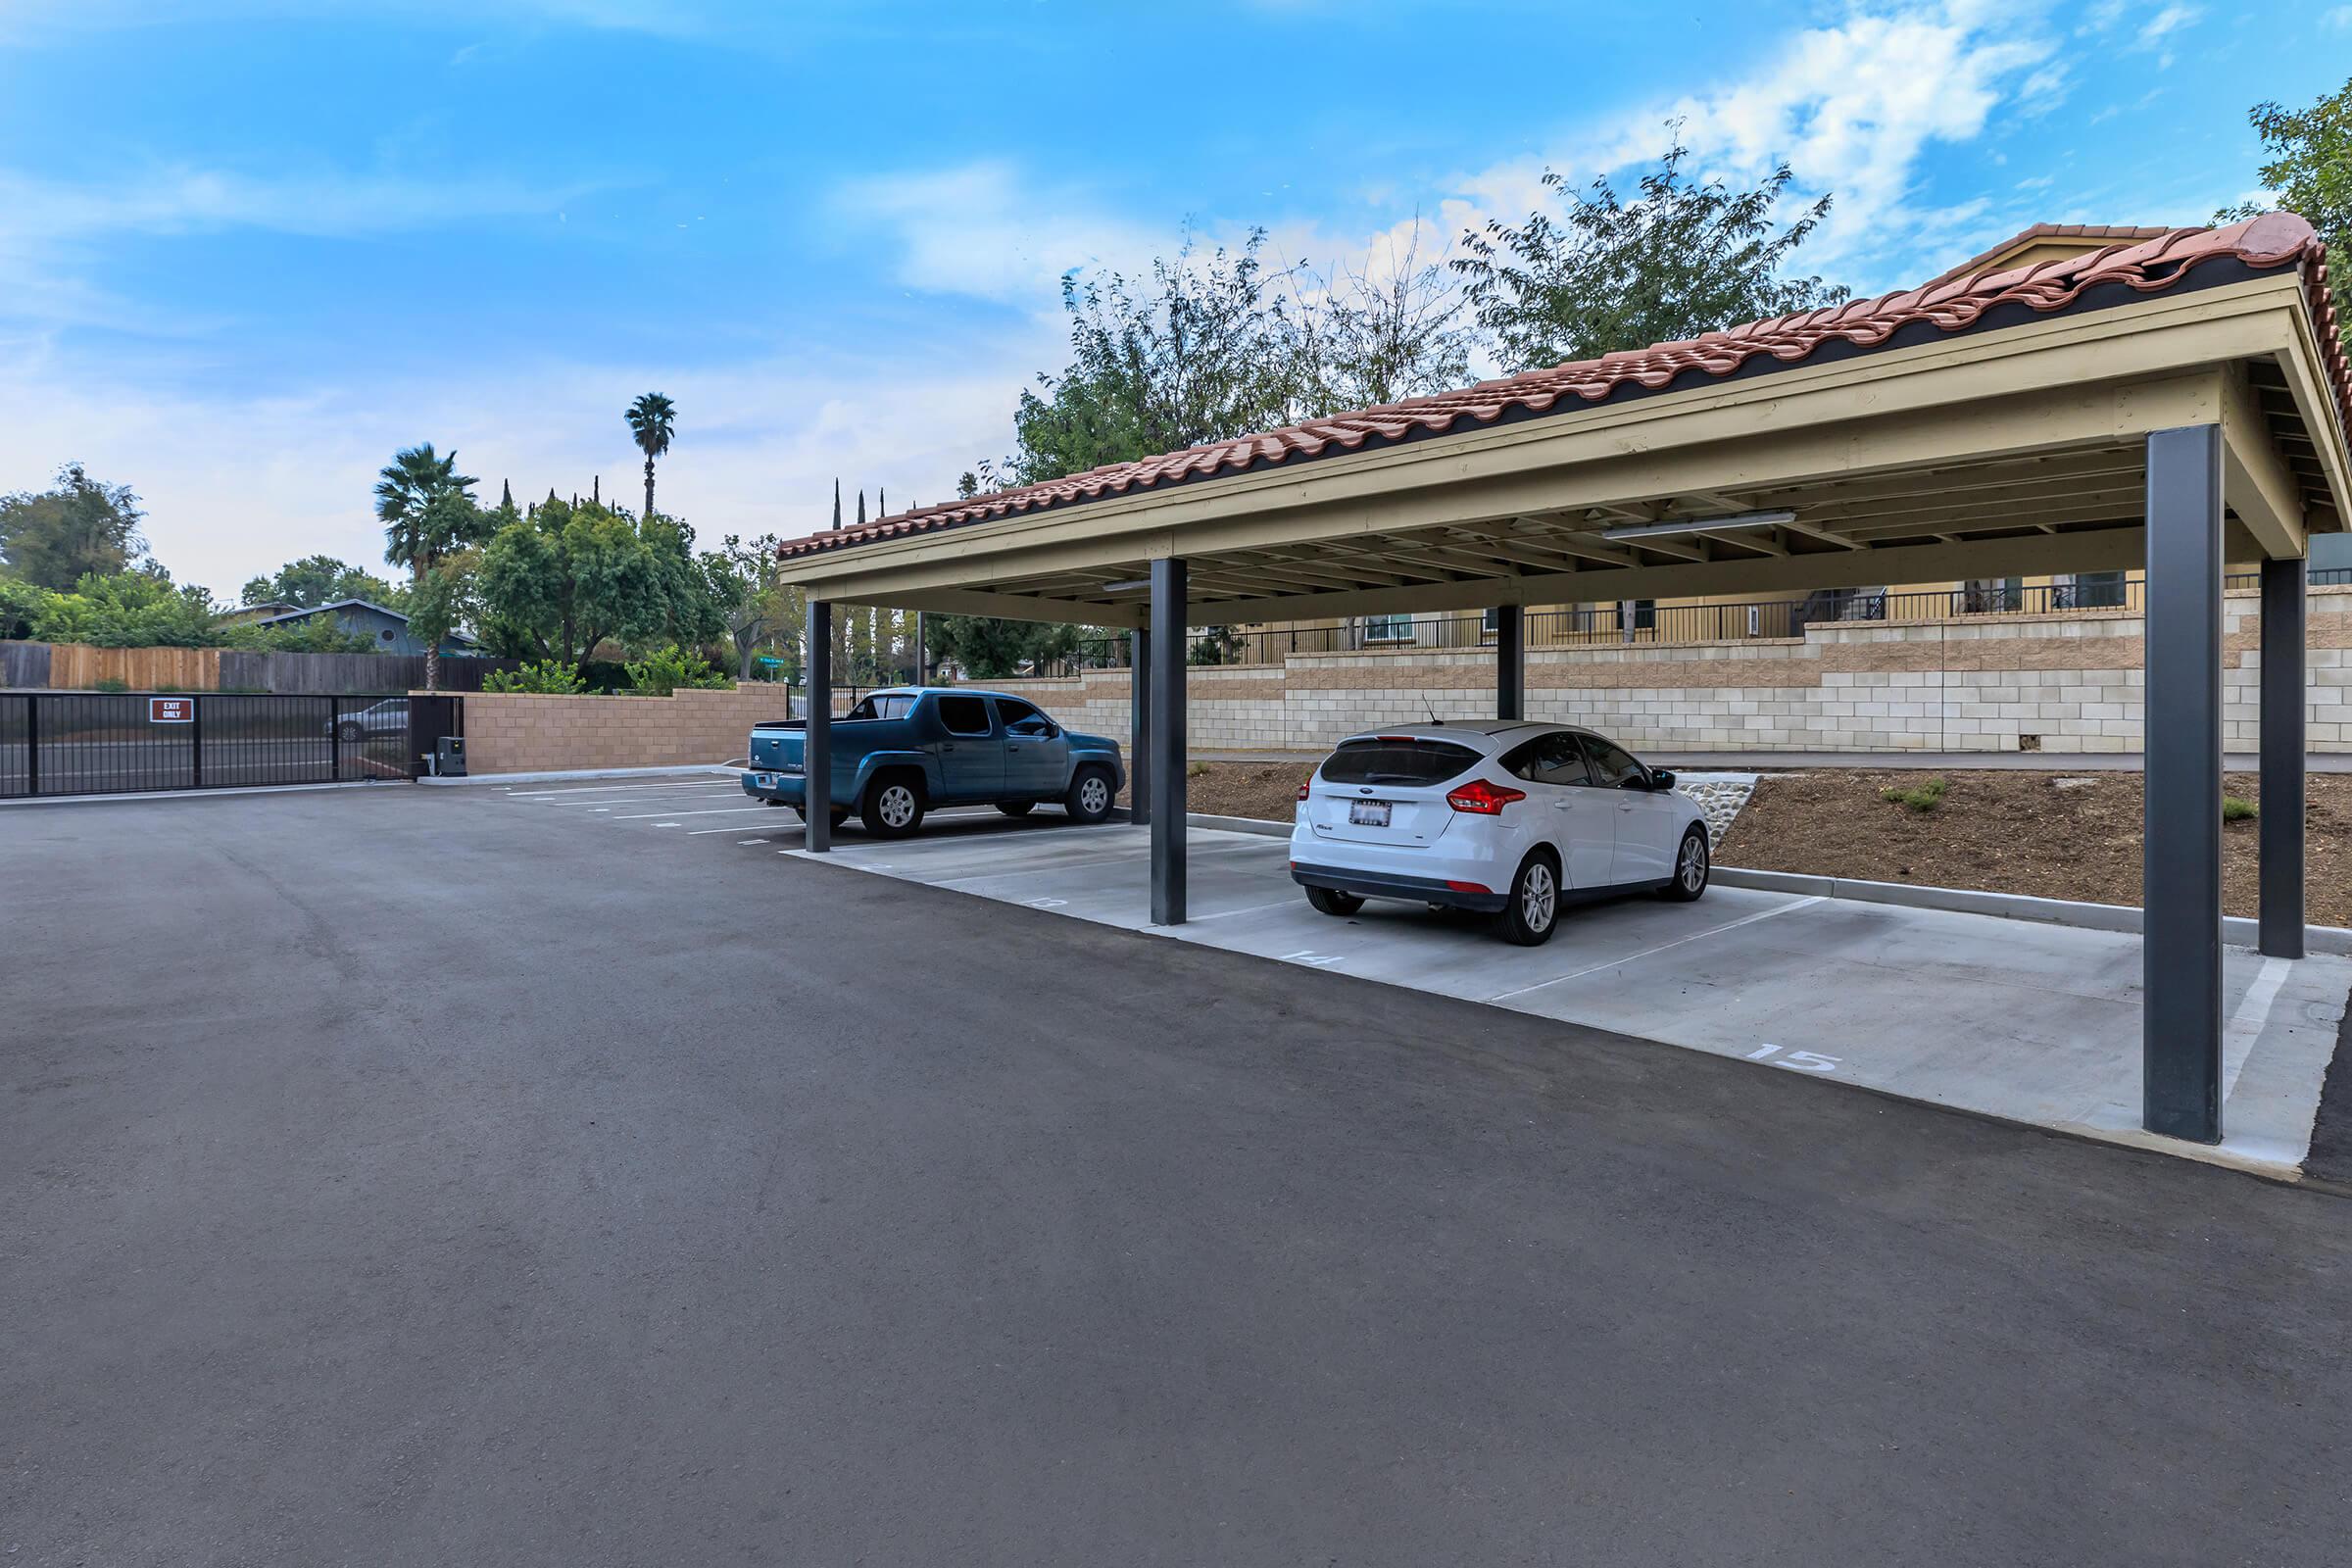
982 229
1854 108
2340 18
181 199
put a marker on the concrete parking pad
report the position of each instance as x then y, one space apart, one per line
2033 1023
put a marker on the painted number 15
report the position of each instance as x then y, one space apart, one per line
1801 1060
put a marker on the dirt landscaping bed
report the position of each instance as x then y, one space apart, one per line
2045 834
2004 832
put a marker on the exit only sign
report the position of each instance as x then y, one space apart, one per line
170 710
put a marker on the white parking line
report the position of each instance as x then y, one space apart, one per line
631 800
1636 957
2245 1024
1220 915
720 811
698 832
615 789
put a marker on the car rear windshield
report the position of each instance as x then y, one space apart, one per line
1397 760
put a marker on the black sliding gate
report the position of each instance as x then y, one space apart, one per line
101 743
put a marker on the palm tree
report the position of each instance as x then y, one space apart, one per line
653 419
428 515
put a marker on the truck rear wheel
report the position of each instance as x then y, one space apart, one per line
893 805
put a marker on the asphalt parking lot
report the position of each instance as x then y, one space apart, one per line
580 1175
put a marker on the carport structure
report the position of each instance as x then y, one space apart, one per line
2077 400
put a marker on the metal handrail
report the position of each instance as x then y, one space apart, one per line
1647 622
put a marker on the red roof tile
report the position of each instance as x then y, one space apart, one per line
2148 261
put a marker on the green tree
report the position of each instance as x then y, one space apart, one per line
317 580
988 649
755 608
56 537
1679 259
429 514
2310 171
1379 331
1199 351
653 420
556 583
140 609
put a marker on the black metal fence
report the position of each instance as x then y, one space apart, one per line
1646 621
91 743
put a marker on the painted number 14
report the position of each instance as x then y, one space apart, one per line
1801 1060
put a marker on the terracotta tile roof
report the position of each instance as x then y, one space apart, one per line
2148 261
2109 234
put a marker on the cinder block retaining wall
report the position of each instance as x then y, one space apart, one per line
508 732
2060 683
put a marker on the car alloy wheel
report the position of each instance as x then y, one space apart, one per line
1539 897
1093 794
1693 871
898 806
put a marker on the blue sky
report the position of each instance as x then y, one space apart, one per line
247 249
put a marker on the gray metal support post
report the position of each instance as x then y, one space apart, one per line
2181 1080
1139 726
1510 662
816 748
2283 583
1167 726
922 648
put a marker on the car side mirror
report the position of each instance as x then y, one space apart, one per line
1661 780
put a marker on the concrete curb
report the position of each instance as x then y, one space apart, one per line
687 771
2237 930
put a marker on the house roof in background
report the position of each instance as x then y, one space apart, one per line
348 604
2143 261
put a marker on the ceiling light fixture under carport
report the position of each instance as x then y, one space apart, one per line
1736 520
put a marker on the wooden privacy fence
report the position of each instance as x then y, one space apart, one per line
77 666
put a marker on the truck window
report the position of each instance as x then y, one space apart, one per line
964 715
1019 719
895 705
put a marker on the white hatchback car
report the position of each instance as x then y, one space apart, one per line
1511 820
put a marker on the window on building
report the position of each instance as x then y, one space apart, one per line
1388 629
2099 590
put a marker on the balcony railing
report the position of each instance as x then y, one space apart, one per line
1641 622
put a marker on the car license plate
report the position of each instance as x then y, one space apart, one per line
1368 813
765 781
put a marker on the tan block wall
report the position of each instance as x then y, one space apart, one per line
509 732
2069 682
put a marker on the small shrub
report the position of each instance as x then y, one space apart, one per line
167 686
549 677
665 669
1196 770
1919 797
2237 809
110 684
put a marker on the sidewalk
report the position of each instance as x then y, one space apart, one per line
1785 761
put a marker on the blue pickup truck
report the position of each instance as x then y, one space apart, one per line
899 753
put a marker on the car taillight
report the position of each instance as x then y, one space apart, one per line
1303 792
1483 799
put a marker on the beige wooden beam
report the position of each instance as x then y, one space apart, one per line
2256 482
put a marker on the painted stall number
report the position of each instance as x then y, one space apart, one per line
1044 904
1308 956
1801 1060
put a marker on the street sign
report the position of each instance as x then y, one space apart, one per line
170 710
